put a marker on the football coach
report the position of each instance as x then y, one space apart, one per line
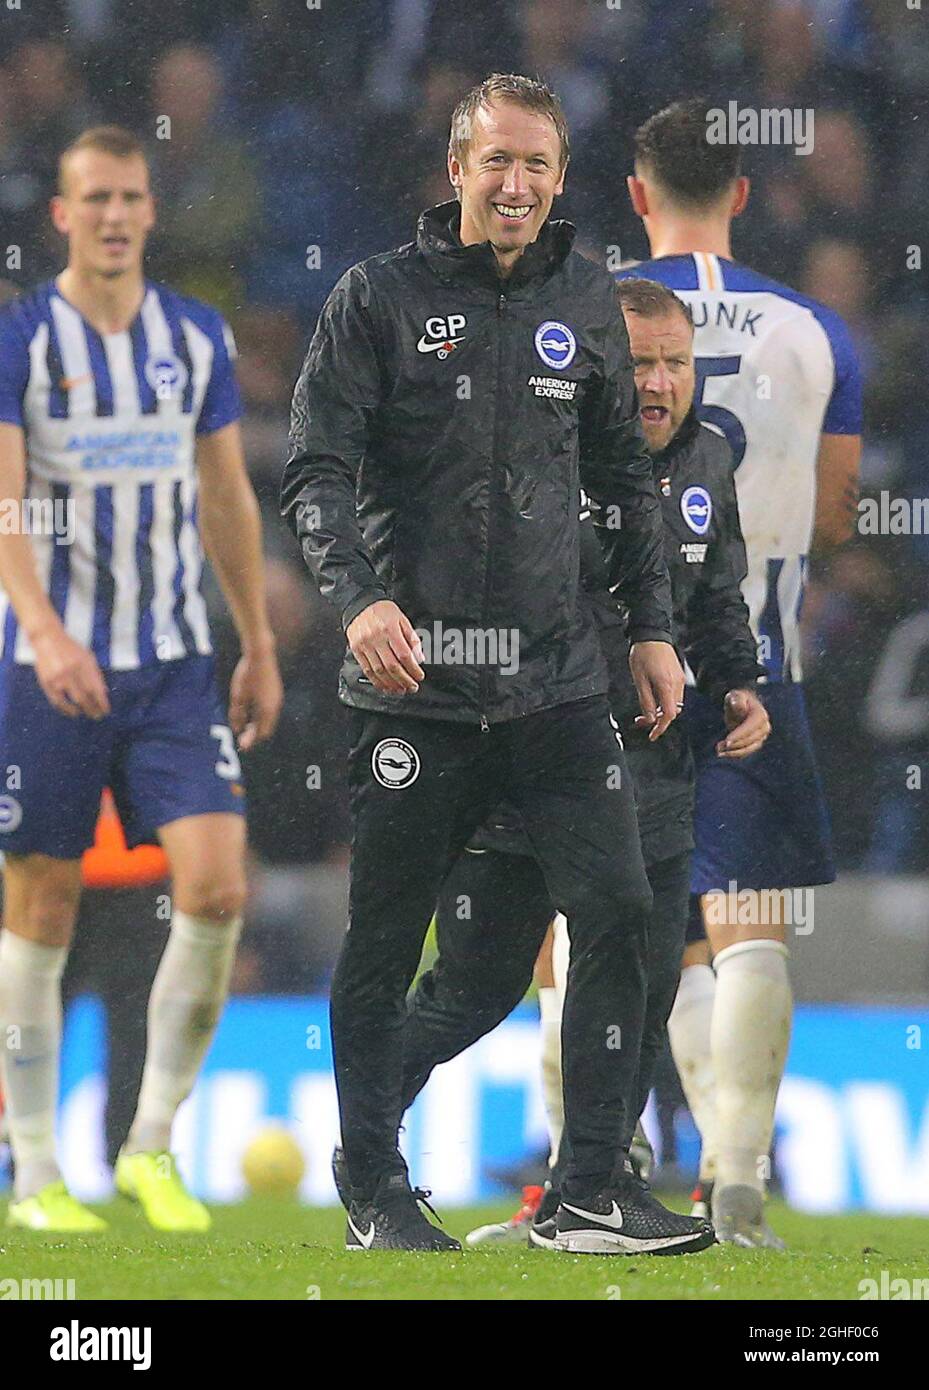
456 395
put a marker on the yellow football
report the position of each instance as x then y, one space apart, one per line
273 1163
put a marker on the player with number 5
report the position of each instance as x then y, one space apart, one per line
777 374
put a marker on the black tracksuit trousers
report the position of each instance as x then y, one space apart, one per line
493 914
419 790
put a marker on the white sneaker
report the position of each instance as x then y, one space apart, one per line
513 1231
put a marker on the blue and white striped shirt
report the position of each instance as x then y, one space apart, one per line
110 422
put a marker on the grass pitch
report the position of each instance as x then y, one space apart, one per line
265 1249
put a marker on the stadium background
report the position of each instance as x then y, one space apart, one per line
301 139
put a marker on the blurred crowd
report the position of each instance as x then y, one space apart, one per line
290 138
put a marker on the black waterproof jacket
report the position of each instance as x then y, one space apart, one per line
442 424
705 555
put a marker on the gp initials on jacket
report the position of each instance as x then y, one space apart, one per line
442 335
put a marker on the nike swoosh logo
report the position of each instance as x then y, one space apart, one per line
613 1219
68 383
425 345
367 1237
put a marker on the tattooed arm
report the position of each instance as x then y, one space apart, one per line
836 490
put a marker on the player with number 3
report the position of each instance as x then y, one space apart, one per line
119 448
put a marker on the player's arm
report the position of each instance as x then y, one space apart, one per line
230 524
617 475
335 400
718 641
837 471
67 672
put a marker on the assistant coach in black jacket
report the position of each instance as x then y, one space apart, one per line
456 394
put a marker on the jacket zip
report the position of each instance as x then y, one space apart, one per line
484 681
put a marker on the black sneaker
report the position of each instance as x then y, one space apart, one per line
544 1228
626 1219
393 1220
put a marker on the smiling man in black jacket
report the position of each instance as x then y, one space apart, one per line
455 396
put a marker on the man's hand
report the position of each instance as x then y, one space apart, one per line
747 720
256 694
659 680
387 648
69 675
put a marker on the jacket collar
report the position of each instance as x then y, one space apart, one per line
438 241
665 461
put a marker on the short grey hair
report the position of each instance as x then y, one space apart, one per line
650 298
510 86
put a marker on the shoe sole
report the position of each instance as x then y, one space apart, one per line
751 1240
496 1235
591 1242
409 1249
14 1222
13 1225
537 1242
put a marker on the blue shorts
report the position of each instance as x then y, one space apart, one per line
164 750
761 822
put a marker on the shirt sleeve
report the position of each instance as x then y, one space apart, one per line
14 369
844 411
718 641
335 401
222 403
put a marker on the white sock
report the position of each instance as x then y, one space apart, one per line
187 999
30 1044
751 1030
553 1082
689 1032
552 1088
561 955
